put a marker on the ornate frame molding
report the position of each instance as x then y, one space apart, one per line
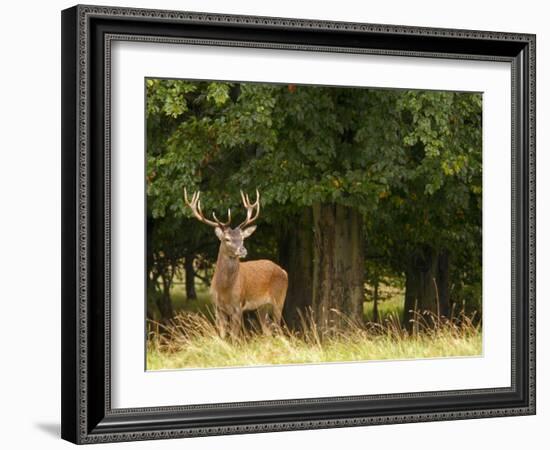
79 417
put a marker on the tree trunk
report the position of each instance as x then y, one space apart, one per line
296 257
150 276
427 286
338 268
443 284
152 294
375 315
164 301
190 291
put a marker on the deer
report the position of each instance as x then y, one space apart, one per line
236 285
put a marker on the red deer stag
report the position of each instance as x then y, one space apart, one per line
241 286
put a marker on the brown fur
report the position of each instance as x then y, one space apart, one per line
246 286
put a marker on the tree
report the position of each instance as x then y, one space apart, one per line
190 290
316 171
296 257
432 216
173 116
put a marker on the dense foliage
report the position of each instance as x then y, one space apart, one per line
403 166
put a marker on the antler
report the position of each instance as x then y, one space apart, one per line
195 205
250 209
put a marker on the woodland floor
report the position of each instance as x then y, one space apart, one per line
191 341
265 350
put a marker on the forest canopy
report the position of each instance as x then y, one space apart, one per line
358 187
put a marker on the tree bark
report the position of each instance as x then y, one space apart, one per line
375 315
190 291
426 286
443 284
296 257
338 268
151 281
164 301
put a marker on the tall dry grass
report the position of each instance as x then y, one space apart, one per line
191 340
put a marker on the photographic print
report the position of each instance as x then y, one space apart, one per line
307 224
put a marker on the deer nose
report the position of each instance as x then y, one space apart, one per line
242 252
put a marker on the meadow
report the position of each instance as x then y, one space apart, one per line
190 339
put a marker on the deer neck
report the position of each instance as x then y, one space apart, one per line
227 268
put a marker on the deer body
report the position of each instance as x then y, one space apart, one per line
242 286
247 286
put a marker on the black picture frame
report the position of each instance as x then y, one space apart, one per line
87 416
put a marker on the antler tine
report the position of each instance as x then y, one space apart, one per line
223 224
250 208
243 198
185 196
195 205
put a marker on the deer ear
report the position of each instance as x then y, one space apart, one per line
219 233
248 231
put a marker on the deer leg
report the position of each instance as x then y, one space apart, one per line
221 322
263 318
278 304
278 299
277 314
236 322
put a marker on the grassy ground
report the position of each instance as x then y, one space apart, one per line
191 341
265 350
390 309
201 305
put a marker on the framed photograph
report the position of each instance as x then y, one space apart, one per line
281 224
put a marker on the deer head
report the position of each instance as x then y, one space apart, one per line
231 239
